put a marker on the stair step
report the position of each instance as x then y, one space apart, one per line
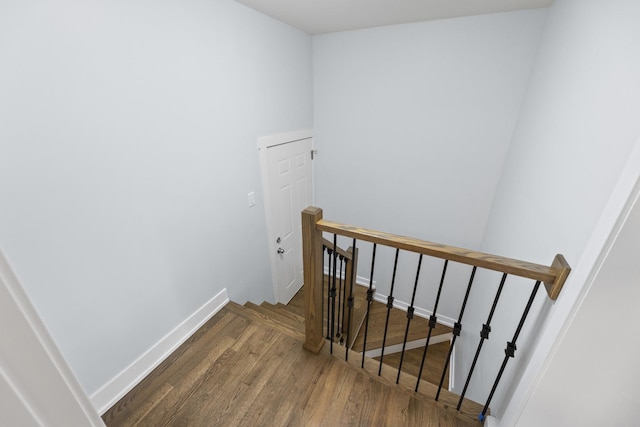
281 310
283 320
447 400
265 318
278 318
397 326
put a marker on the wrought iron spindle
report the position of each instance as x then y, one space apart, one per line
350 303
328 280
340 277
369 299
457 328
389 307
333 291
410 311
344 297
510 350
484 335
432 322
324 250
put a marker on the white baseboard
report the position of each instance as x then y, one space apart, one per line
360 280
400 305
418 311
107 396
411 345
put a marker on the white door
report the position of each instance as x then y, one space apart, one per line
289 190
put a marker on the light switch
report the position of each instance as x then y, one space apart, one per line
251 198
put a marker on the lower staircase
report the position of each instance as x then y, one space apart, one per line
246 367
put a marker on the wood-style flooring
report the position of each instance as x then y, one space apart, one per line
238 370
418 327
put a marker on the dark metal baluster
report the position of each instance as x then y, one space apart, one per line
328 280
484 335
389 307
510 350
350 303
333 291
410 311
344 297
340 276
324 249
457 328
432 321
369 299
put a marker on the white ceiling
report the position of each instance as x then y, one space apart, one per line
326 16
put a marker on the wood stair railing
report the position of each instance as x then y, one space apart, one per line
313 227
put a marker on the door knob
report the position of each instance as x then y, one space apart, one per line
280 250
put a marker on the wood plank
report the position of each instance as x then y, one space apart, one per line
418 328
465 256
312 265
433 364
447 401
239 371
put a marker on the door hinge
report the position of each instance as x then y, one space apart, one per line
314 153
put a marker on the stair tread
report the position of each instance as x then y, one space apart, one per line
282 310
278 318
447 400
266 319
274 316
418 328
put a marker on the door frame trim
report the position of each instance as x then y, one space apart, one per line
44 357
264 142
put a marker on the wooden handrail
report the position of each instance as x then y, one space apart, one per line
553 277
345 253
313 226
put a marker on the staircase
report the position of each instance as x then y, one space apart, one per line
289 319
246 367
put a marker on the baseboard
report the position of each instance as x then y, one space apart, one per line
410 345
360 280
400 305
418 311
121 384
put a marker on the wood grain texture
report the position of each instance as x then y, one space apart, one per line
562 268
238 371
464 256
433 364
418 328
313 278
345 253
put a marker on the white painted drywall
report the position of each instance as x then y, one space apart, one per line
592 379
127 148
412 123
37 387
577 127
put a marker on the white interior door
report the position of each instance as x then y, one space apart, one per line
289 191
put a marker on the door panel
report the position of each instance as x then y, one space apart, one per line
290 179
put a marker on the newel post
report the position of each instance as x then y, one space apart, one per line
313 276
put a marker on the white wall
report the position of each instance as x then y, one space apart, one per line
578 124
127 147
592 380
412 124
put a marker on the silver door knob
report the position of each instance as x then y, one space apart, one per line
280 250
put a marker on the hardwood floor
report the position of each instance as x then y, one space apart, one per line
240 371
433 364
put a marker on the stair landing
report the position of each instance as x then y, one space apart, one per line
239 370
